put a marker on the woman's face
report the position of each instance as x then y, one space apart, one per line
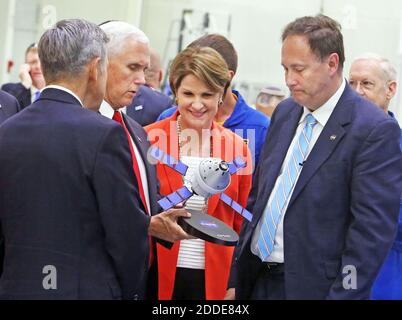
197 103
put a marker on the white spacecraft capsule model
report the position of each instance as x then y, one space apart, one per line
212 176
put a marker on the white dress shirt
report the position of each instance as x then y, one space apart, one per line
322 115
107 111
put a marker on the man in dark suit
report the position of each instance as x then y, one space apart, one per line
375 78
8 106
325 201
129 46
31 76
69 207
147 105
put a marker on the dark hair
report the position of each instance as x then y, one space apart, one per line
323 34
222 45
69 46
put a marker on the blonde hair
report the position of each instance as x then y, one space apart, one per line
205 64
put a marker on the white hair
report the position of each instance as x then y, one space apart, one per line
118 32
387 68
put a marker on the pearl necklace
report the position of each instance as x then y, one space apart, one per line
181 142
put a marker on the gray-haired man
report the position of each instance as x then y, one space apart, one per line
69 206
375 78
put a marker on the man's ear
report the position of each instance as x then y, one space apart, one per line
94 69
391 89
160 76
231 75
333 63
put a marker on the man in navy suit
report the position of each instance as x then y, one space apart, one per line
32 81
70 212
375 78
8 106
325 201
147 105
128 54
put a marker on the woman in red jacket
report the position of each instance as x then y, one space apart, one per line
195 269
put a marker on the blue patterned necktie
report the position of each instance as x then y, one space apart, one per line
274 211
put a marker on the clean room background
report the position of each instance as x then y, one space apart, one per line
254 26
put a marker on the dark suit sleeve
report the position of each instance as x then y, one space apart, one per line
125 224
22 94
252 197
375 190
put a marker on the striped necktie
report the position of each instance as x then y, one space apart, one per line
274 211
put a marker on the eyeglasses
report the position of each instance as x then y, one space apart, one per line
366 85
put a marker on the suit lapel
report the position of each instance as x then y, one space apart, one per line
142 145
330 137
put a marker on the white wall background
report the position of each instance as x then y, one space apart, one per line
368 25
32 17
255 29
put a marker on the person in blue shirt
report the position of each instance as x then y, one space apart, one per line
374 77
234 114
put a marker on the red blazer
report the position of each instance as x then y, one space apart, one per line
217 258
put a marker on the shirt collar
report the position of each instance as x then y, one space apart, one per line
107 110
53 86
323 113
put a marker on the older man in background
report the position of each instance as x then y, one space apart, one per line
375 78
